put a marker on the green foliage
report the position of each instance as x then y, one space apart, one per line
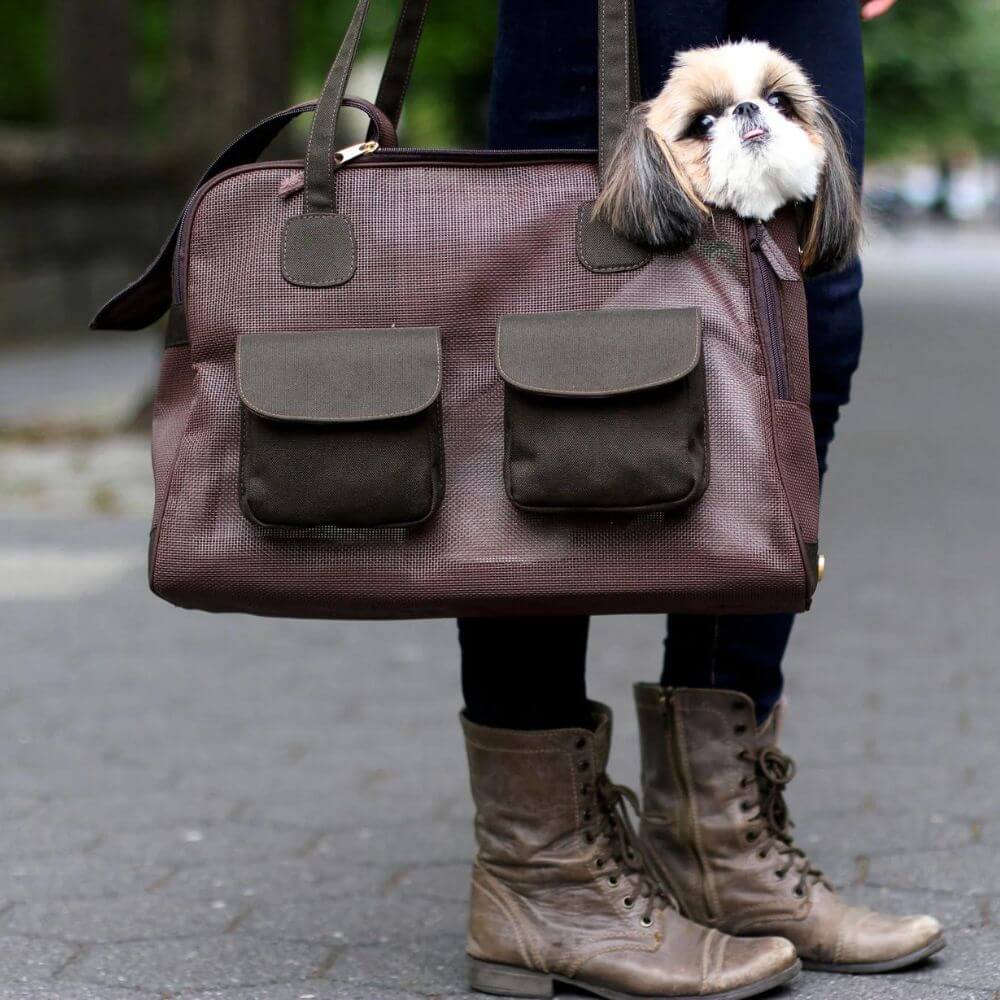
446 105
933 71
25 90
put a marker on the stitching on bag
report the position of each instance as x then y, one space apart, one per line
301 282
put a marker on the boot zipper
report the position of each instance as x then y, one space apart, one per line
767 301
687 796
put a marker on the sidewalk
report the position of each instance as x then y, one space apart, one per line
231 808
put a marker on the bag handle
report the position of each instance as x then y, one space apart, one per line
148 297
319 249
403 53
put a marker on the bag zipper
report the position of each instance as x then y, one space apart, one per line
367 156
767 301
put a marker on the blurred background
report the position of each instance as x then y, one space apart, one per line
231 808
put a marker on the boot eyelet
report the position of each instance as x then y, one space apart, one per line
584 765
746 806
780 875
599 862
798 892
613 880
587 815
646 921
751 836
740 729
581 743
628 902
762 853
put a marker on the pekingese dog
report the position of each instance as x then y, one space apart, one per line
740 127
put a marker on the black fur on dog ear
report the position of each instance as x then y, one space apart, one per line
830 225
646 197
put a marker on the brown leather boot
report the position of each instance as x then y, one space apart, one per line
714 821
561 892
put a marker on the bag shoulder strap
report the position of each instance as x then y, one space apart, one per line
148 297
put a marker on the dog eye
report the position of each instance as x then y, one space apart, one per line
778 101
700 127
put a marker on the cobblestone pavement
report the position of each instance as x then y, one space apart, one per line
230 808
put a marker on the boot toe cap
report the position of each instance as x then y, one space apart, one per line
878 937
744 961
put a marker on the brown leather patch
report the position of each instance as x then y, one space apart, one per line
318 250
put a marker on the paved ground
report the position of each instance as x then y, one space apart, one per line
238 809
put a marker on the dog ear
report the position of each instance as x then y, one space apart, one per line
830 225
646 196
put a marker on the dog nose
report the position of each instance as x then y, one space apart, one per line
746 109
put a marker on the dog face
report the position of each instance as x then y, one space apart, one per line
737 127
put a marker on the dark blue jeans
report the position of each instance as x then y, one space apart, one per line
530 672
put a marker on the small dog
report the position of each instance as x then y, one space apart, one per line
740 127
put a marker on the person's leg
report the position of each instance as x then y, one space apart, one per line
525 673
744 652
528 673
736 814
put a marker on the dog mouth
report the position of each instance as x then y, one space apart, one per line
754 135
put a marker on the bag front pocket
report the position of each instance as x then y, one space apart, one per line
604 411
340 429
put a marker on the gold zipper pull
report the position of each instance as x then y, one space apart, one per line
343 156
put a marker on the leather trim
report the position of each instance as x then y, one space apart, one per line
601 250
318 250
177 333
598 353
339 376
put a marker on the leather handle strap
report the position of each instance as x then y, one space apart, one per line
319 249
403 53
148 297
617 80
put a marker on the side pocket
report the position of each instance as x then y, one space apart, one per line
604 411
340 429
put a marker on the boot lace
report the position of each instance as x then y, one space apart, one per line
627 859
773 770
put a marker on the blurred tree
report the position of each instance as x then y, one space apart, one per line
229 63
92 59
933 67
934 79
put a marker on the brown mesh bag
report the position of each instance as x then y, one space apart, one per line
373 403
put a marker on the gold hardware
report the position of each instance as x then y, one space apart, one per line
820 567
343 156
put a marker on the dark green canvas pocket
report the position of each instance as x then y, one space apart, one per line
340 429
604 410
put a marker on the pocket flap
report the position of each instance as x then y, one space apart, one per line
340 375
598 353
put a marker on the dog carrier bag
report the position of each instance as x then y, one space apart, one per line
405 383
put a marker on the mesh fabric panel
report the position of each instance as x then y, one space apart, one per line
459 246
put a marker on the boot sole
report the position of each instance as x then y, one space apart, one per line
873 968
511 981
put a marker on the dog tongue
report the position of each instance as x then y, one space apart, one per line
753 133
